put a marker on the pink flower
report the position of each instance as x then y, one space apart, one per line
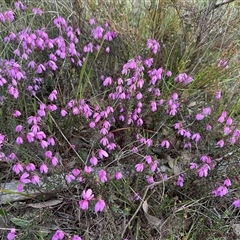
220 143
58 235
92 124
196 137
199 117
193 166
187 134
140 83
35 179
139 122
17 168
136 196
93 160
178 125
221 191
40 135
118 175
102 175
148 159
52 107
139 96
35 128
98 32
87 195
180 180
139 167
227 182
153 45
53 95
205 159
76 237
109 36
51 141
104 131
18 128
102 154
236 133
107 81
19 141
104 141
187 145
69 178
92 21
41 112
183 78
54 67
168 73
88 48
165 143
2 156
153 166
236 203
37 11
111 146
150 179
181 131
30 137
175 96
218 95
221 119
9 15
229 121
63 113
12 234
223 63
33 120
227 130
54 161
153 106
208 127
75 111
83 204
232 140
17 113
207 111
121 118
20 187
149 142
19 5
40 68
134 149
48 154
24 178
12 156
43 168
203 171
100 205
75 172
30 167
87 169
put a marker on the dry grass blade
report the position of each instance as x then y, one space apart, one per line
49 203
152 220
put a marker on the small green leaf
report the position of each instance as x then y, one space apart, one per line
3 212
19 222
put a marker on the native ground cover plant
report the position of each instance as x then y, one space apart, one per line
108 139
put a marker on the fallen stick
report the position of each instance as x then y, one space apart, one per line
9 192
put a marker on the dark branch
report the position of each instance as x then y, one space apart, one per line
223 3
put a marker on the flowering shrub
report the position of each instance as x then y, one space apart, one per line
124 122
